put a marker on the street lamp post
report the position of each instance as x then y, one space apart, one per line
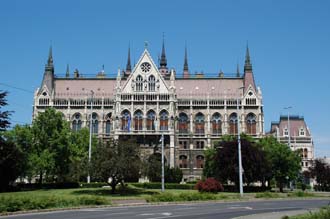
289 134
163 171
90 138
240 169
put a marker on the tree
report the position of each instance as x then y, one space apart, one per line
79 144
50 152
4 115
321 172
284 163
224 161
154 167
11 157
21 137
117 161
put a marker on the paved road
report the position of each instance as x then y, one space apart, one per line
189 211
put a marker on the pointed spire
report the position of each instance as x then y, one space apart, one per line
248 65
237 71
128 65
185 65
163 61
50 56
67 74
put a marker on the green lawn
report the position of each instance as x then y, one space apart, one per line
67 198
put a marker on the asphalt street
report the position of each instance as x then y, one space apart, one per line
191 210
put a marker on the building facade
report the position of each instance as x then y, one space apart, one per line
292 130
148 100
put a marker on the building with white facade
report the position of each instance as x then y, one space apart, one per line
292 130
147 100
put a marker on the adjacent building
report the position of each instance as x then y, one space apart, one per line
292 130
147 100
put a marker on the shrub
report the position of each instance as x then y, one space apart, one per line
209 185
301 194
94 185
29 202
173 175
172 197
157 185
267 195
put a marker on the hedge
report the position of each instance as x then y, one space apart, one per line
158 185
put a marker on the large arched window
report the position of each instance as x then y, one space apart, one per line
233 124
95 123
200 161
139 83
183 161
138 120
183 123
152 83
199 123
305 153
163 118
108 124
125 120
76 122
251 124
151 116
216 124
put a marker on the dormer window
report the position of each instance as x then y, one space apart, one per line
302 132
286 132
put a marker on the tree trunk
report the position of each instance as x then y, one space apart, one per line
40 178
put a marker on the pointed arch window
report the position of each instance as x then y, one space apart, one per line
95 123
138 120
152 83
200 161
216 124
108 124
233 124
183 123
163 120
139 83
125 120
200 123
251 124
151 116
183 161
76 122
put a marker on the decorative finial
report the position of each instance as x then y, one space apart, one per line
146 44
67 74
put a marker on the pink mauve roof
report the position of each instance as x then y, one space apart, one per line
201 88
100 87
295 125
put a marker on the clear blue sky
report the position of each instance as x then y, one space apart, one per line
289 46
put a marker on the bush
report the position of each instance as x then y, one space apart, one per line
35 186
267 195
209 185
157 185
28 202
171 197
173 175
322 214
246 189
94 185
300 194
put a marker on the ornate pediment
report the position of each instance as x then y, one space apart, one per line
145 77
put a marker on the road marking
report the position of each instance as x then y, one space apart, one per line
248 208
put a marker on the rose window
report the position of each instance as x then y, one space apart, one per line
145 67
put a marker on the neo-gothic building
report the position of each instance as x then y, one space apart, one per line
293 131
191 110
